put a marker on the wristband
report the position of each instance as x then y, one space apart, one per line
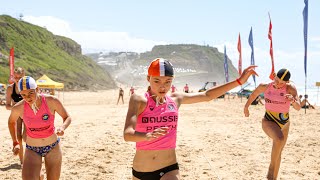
238 81
15 143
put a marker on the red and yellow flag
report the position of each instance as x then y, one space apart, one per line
11 65
272 74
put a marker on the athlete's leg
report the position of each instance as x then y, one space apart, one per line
32 165
118 100
172 175
19 136
285 131
275 133
53 161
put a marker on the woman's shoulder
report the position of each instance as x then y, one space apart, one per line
10 87
265 84
18 106
49 98
137 97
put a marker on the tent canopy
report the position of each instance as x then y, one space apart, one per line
46 82
3 85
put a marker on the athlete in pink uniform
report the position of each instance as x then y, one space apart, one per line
38 114
278 97
152 121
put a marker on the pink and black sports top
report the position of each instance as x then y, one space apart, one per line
275 99
153 117
41 124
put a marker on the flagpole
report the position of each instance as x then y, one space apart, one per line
305 37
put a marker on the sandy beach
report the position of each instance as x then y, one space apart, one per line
215 141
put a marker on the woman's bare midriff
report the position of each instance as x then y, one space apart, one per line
38 142
152 160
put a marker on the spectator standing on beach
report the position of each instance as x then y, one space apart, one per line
12 97
121 93
278 94
152 120
131 90
42 140
173 88
186 88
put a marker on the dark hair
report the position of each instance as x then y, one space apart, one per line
284 74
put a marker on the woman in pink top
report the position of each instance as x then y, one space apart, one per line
38 113
278 97
152 120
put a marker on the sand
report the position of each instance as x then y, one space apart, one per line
215 141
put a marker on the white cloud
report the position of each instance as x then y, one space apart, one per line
121 41
93 40
294 61
315 38
56 26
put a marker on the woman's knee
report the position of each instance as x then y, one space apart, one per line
279 139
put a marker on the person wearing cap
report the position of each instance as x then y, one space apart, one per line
279 95
152 120
12 97
42 140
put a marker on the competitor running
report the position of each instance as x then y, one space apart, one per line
275 123
38 113
152 121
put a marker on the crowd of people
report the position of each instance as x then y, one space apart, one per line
151 121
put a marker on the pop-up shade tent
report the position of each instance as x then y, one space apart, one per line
3 85
46 82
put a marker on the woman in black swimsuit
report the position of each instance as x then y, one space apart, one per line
12 97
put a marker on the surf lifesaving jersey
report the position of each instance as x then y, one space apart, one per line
153 117
41 124
275 99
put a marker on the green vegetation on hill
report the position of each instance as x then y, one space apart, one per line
201 58
40 52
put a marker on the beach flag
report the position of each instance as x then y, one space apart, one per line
240 56
11 65
272 74
305 34
226 73
250 40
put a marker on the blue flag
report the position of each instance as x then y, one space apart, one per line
305 34
250 41
226 73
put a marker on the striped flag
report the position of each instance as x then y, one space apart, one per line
240 56
226 73
272 74
11 65
250 40
305 34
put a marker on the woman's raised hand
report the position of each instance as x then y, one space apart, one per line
247 73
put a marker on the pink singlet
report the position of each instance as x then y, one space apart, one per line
40 125
153 117
275 99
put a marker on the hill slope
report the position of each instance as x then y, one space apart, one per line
40 52
193 64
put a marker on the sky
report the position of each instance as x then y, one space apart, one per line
123 25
